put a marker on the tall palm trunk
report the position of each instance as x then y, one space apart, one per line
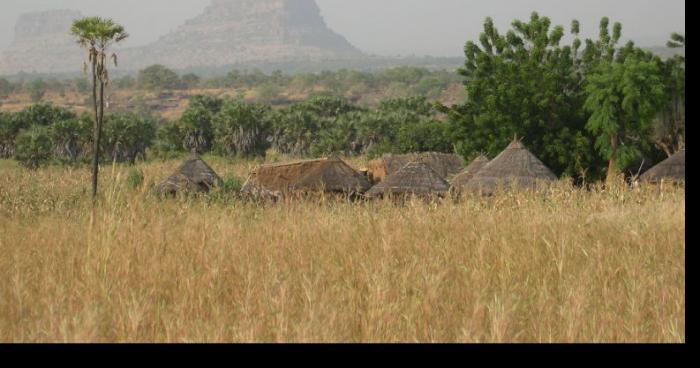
97 130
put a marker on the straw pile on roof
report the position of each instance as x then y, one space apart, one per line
445 165
515 167
331 175
672 170
415 178
194 175
467 174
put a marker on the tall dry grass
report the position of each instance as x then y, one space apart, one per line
568 266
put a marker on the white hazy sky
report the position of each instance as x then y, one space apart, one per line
390 27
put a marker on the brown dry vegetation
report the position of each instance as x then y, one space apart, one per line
573 265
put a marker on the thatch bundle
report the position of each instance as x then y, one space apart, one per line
194 175
330 175
468 173
415 178
445 165
516 167
671 169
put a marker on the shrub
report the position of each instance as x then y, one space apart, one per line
72 139
135 178
232 184
33 147
127 136
242 129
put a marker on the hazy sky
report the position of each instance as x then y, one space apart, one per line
390 27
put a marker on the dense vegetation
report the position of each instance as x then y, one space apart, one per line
587 109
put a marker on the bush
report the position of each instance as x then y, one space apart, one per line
72 139
10 126
194 129
33 147
242 129
36 89
127 136
135 178
44 114
158 77
232 184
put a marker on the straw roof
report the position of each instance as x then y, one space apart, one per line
671 169
445 165
330 175
193 175
468 173
414 178
514 167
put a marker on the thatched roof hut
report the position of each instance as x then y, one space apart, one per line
330 175
445 165
194 175
415 178
671 169
468 173
514 167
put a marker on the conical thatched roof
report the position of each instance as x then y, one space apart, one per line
414 178
672 169
514 167
193 175
331 175
468 173
445 165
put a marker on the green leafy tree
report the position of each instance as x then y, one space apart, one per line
190 81
158 77
242 129
44 114
36 89
623 99
296 129
71 139
96 35
6 87
195 126
526 83
33 147
10 126
127 136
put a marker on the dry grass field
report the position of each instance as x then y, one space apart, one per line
567 266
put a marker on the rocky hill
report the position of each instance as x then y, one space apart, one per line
42 43
240 31
227 32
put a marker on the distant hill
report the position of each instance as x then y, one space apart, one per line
227 32
42 44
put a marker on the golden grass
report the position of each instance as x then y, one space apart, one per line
570 266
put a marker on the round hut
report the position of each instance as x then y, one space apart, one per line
194 175
445 165
515 167
329 175
415 178
671 170
468 173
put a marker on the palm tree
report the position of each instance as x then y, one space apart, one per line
96 35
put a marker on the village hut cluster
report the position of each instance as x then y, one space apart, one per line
425 175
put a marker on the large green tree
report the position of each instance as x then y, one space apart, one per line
524 83
623 98
96 35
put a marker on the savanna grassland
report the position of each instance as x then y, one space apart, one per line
572 265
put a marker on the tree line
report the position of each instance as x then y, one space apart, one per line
267 87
